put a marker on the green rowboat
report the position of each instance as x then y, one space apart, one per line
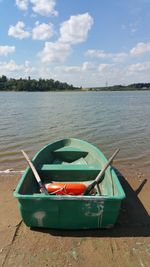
69 160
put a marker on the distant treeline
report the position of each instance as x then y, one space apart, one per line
43 85
33 85
130 87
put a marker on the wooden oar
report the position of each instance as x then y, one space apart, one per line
100 177
41 185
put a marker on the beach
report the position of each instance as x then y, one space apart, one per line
127 244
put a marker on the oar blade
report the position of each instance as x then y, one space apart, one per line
101 174
89 188
37 177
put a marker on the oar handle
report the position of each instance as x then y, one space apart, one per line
106 166
42 187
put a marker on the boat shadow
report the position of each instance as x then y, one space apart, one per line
133 221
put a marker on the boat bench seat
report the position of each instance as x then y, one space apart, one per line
80 172
69 153
70 167
69 171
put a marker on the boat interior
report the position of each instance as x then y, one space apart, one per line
70 161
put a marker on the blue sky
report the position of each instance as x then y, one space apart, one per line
82 42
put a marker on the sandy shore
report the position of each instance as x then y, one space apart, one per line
127 244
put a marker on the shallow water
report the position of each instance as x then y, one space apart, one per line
107 119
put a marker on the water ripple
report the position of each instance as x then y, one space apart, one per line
107 119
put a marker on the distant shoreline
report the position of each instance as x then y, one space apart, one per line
50 85
82 90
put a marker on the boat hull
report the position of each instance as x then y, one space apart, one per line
67 211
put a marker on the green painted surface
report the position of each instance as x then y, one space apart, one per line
69 160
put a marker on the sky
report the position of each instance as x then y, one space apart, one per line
82 42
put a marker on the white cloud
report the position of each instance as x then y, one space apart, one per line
41 7
119 57
105 67
5 50
140 48
88 66
42 31
28 69
18 31
89 74
22 4
138 67
98 53
44 7
54 52
85 67
12 68
75 30
116 57
68 69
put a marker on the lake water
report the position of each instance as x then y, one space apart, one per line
109 120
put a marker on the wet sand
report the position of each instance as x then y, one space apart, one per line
127 244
